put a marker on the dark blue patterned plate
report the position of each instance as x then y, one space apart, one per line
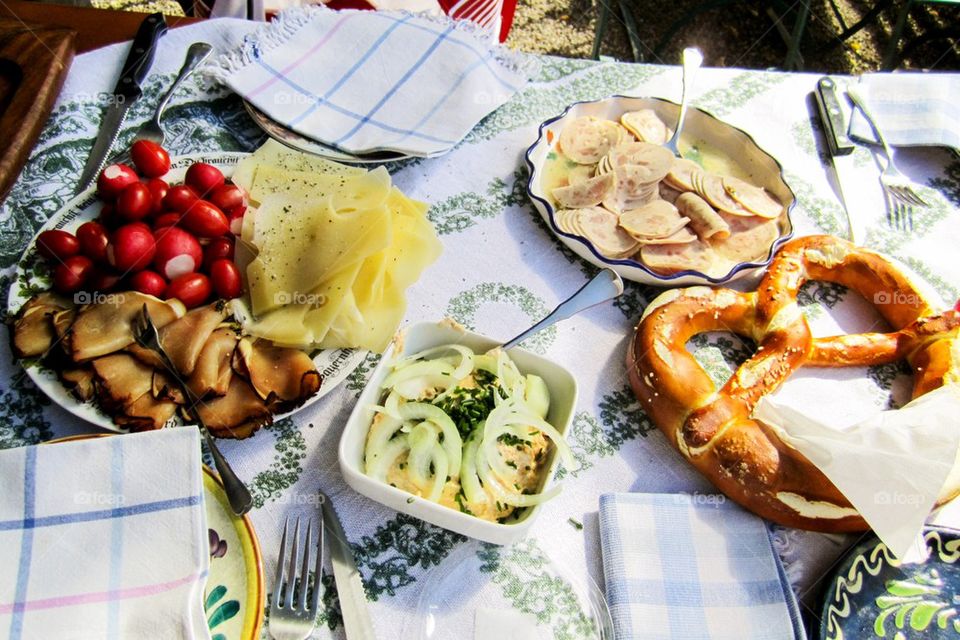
872 595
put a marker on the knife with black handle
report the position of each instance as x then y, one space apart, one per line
840 148
831 115
126 92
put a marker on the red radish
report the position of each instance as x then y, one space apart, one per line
205 220
151 159
108 215
177 252
168 219
93 239
57 244
102 279
236 219
192 289
158 189
132 248
179 198
228 197
218 248
114 179
72 274
149 282
204 178
135 202
226 280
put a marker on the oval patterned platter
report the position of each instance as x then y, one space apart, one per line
873 595
32 277
709 141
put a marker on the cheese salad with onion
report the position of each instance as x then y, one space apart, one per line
465 430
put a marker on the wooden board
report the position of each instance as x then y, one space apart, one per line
34 61
95 27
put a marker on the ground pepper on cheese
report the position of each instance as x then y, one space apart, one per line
327 251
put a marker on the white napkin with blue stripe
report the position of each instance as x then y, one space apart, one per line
104 538
694 567
365 81
911 109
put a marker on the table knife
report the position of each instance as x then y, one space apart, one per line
357 624
126 92
840 148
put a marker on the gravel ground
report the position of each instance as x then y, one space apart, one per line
738 35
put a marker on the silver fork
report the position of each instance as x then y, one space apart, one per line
145 334
196 55
897 188
292 616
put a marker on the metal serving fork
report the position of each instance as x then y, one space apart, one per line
897 189
293 615
145 334
197 54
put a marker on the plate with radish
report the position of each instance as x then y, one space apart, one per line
163 229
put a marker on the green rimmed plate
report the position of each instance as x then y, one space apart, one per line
235 591
234 595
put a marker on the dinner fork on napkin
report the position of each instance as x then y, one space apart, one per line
365 81
104 538
692 566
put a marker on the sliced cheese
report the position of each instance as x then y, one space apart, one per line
328 254
301 246
346 192
277 155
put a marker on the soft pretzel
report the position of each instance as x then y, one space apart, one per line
713 429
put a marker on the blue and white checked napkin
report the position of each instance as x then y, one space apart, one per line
911 109
694 567
104 538
364 81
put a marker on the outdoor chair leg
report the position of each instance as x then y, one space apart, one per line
890 57
604 6
793 61
633 33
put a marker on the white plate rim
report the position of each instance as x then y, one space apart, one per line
296 140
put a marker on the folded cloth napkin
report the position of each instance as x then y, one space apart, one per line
104 538
364 81
911 109
694 567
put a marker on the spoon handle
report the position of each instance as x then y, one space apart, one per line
692 59
237 493
604 286
197 54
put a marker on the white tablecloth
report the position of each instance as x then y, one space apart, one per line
501 269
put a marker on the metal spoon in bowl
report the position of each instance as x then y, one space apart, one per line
197 54
604 286
692 59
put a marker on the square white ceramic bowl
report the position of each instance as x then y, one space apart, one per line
563 400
